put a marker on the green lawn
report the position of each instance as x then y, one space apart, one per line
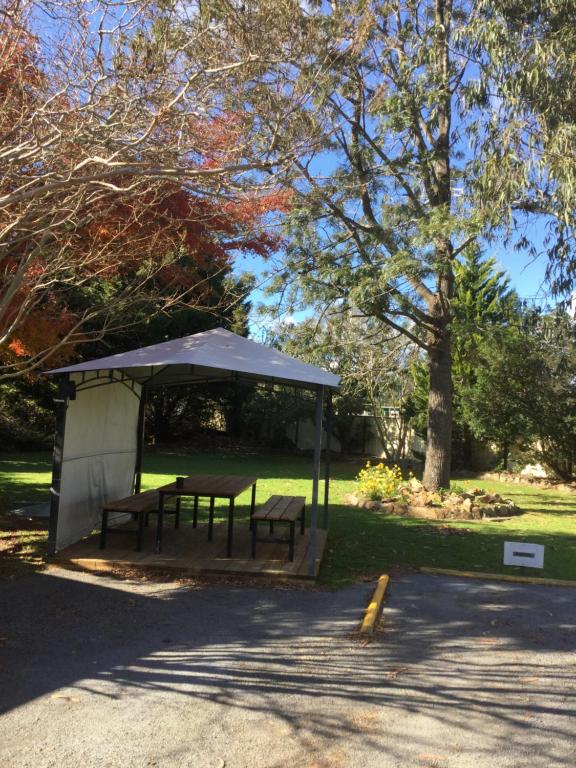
361 542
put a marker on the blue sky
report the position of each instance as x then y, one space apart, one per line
526 276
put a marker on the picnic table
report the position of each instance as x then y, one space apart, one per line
207 486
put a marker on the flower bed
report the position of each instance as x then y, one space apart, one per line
383 488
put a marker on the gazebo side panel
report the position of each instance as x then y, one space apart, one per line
99 456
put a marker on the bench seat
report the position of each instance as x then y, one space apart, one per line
279 509
139 505
138 502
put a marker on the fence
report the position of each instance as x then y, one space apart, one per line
362 439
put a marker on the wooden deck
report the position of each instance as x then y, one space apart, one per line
187 550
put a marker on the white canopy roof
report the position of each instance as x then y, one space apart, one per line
211 355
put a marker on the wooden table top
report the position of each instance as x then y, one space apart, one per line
223 486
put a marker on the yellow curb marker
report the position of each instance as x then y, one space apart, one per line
499 577
373 610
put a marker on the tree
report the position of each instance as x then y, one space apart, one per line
483 306
528 147
123 174
402 169
554 417
525 392
501 404
127 270
483 309
392 195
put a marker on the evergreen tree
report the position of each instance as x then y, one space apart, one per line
484 305
484 309
525 392
500 404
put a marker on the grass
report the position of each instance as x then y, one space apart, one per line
362 543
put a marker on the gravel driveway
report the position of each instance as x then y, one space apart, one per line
100 672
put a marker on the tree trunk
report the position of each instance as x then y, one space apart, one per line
505 454
437 466
438 453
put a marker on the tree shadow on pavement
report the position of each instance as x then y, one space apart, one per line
458 666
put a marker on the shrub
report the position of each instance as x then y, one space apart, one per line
379 482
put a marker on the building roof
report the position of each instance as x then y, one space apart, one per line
211 355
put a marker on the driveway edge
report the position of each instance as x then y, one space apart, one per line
498 577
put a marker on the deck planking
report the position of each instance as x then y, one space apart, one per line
188 550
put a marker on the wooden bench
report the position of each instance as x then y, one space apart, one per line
140 506
279 509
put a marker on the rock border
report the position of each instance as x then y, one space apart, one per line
535 482
420 505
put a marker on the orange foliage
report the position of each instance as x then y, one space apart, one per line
106 234
43 328
123 235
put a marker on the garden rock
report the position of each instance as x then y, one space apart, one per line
504 509
415 485
427 513
433 506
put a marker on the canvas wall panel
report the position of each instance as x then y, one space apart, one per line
99 457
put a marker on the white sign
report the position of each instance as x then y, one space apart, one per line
523 553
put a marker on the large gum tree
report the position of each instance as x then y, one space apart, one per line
390 117
385 204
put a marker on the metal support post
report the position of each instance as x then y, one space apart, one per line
327 459
140 441
60 407
315 481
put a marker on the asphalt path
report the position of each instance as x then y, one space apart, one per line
119 674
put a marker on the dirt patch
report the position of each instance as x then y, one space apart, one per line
10 522
9 544
446 530
22 545
185 579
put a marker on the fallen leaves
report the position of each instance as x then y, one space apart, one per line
395 672
65 697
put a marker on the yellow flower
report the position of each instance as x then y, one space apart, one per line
379 481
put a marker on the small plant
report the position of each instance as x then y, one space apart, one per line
456 488
379 482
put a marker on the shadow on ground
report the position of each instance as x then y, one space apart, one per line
463 674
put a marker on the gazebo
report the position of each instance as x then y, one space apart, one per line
99 437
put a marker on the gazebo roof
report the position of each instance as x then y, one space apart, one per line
211 355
